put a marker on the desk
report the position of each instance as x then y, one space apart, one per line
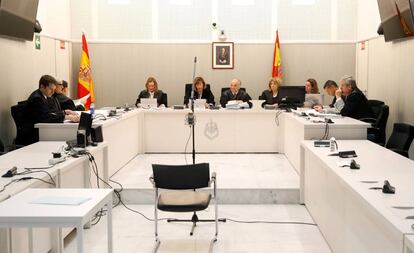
215 131
73 173
19 212
409 244
221 131
121 133
297 129
352 217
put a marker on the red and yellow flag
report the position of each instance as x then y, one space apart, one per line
85 82
277 60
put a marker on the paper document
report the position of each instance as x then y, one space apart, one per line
60 200
82 100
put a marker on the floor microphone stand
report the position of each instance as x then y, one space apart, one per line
191 122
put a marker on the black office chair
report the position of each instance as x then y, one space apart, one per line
183 181
25 133
376 133
164 99
401 138
2 150
227 88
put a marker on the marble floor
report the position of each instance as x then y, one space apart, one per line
132 233
234 171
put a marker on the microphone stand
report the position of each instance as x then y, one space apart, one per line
191 114
191 123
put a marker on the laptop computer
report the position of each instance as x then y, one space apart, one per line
315 99
148 103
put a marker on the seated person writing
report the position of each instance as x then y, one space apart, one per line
330 88
271 94
43 108
151 91
200 92
235 94
350 100
311 87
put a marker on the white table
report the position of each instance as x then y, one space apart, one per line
73 173
352 217
19 212
221 131
409 244
297 129
121 133
218 131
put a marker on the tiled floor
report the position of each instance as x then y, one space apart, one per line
132 233
236 171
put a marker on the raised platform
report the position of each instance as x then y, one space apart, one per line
241 178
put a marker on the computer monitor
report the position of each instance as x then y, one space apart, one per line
292 95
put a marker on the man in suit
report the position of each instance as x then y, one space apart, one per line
43 108
152 91
64 101
330 88
234 93
351 101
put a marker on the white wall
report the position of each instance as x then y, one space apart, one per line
54 16
385 67
368 19
124 67
21 65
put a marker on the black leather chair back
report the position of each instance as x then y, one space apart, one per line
376 106
228 88
1 147
401 137
181 177
381 123
25 133
164 99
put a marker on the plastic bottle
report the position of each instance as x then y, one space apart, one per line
92 109
332 144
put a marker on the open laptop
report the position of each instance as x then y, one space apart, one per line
148 103
316 99
200 103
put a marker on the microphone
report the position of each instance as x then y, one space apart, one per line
11 172
195 59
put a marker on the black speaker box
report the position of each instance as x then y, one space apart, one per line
81 139
96 134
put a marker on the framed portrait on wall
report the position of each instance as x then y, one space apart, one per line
223 55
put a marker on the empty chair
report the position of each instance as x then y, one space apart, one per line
180 184
401 138
376 132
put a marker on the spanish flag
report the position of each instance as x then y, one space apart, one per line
277 60
85 82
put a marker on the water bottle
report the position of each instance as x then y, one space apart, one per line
332 144
92 109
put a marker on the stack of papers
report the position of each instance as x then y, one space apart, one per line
235 105
60 200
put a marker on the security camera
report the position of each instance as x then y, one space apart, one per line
214 25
